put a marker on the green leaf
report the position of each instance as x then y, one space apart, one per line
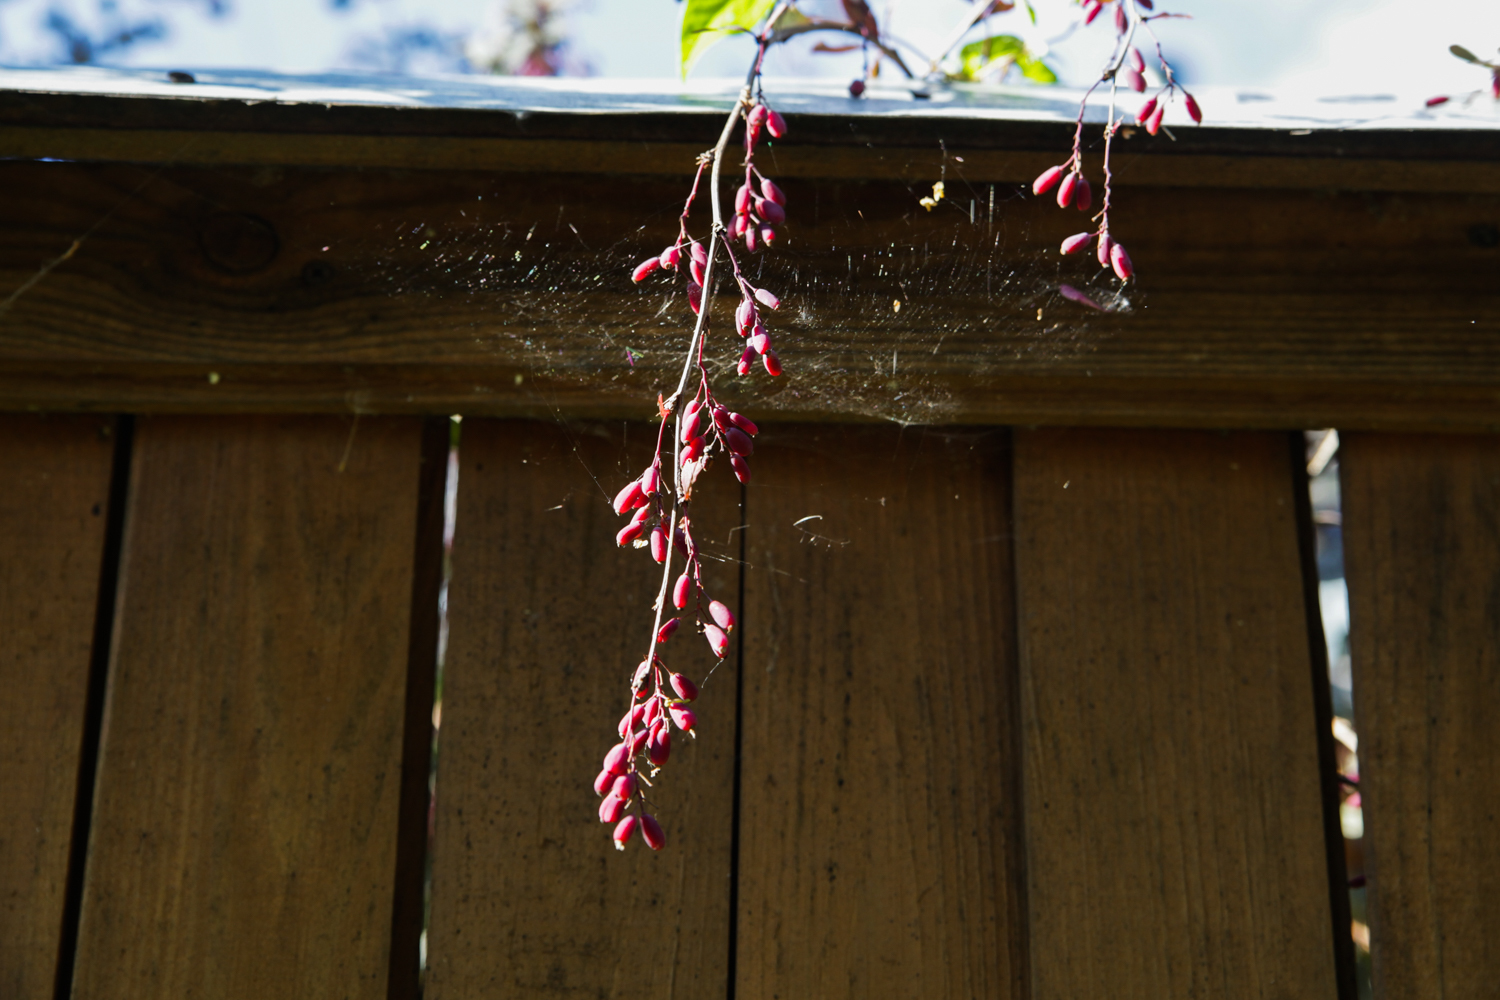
976 57
1464 54
706 22
1031 12
1035 70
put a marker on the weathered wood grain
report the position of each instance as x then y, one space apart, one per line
53 510
879 850
1174 827
244 290
1421 522
547 621
243 842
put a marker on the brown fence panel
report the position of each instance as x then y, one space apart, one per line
548 620
53 509
244 835
879 817
1421 519
1174 820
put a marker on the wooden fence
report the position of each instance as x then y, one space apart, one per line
1037 707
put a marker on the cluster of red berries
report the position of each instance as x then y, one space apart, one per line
644 730
1074 190
758 209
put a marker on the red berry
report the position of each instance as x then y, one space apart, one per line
744 316
1137 61
651 480
720 613
681 591
1046 180
651 833
717 640
658 544
1121 262
1084 196
611 809
684 718
629 533
1090 11
772 362
617 761
685 688
856 88
604 782
760 340
771 192
1194 112
630 497
746 360
659 746
638 740
1105 243
1066 191
699 254
1077 242
1122 23
644 268
751 237
770 211
768 234
738 442
624 832
1134 80
669 257
624 786
741 468
744 423
767 299
775 124
652 713
742 199
692 450
667 630
757 116
695 296
696 270
1145 112
1153 124
691 422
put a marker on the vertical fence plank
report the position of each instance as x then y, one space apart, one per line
244 832
53 509
1421 525
878 853
547 621
1174 820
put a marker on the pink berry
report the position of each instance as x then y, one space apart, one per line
630 497
695 296
668 629
699 254
1153 124
629 533
659 746
742 199
641 673
757 116
856 88
1122 22
770 211
652 713
717 640
721 417
739 225
669 258
746 360
644 268
1076 242
624 786
624 831
768 234
1067 190
651 480
744 423
744 316
741 468
611 809
604 782
720 613
658 544
638 740
641 516
617 761
739 442
772 362
1090 11
1121 262
685 688
767 299
1084 196
1146 111
692 450
771 192
681 591
691 424
751 238
775 124
696 270
1105 243
1134 80
1194 112
651 833
685 718
1137 61
1047 180
760 340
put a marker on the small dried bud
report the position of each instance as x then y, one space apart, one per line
771 192
741 468
775 124
744 316
1194 112
1105 243
717 640
604 782
624 786
651 833
746 360
629 533
651 480
617 761
1120 260
668 628
1146 111
1047 180
767 299
681 591
1067 190
772 362
625 831
738 442
744 423
720 613
685 688
770 211
1134 80
659 746
1083 197
644 268
658 544
1076 242
1137 61
630 497
669 258
742 198
685 718
611 809
1153 124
